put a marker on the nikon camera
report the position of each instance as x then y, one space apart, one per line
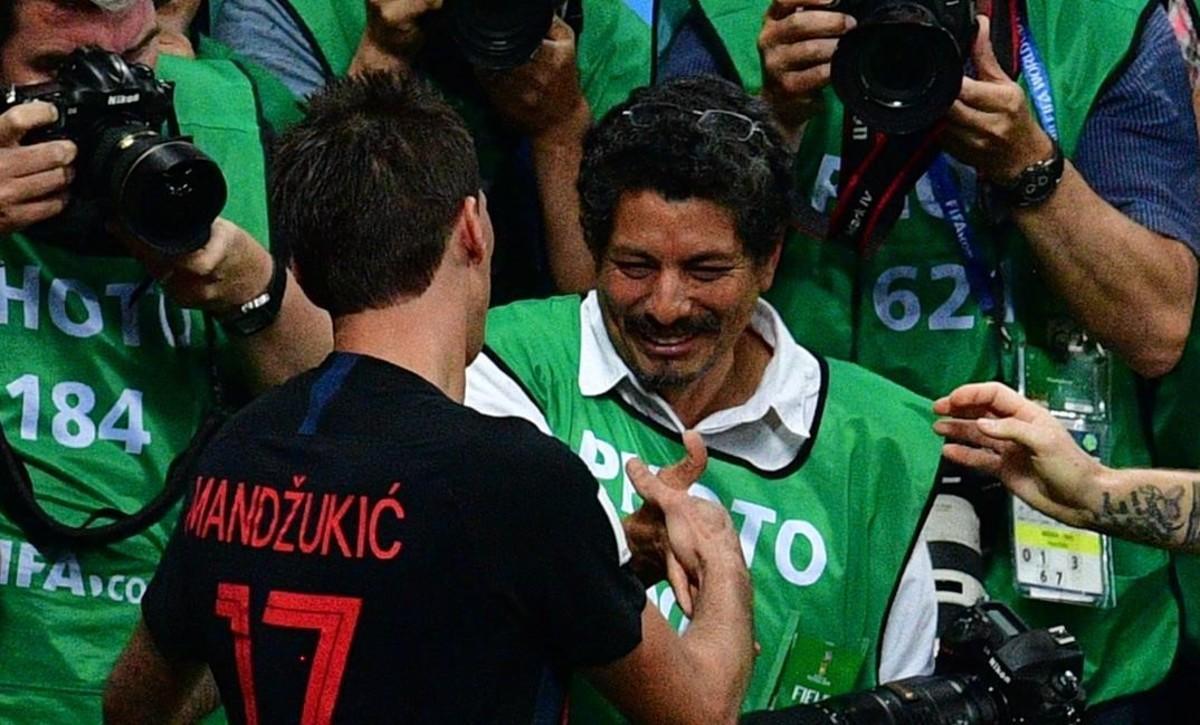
161 189
999 672
901 67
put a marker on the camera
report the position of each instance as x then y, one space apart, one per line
161 189
901 67
502 34
1003 673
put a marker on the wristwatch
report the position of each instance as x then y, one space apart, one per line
260 311
1036 182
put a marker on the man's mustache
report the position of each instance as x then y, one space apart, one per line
695 325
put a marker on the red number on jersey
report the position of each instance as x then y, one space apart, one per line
333 617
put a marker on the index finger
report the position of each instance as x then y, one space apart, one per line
23 118
783 8
975 399
683 473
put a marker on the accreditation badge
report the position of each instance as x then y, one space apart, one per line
1053 561
811 669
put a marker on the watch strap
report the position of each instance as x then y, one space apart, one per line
261 310
1037 182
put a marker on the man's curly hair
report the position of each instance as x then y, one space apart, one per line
668 153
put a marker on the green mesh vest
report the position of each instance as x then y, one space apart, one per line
98 398
908 313
826 537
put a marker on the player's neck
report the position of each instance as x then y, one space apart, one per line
426 335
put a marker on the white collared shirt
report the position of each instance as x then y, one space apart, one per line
768 431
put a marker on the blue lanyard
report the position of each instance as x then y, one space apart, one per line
948 192
1039 80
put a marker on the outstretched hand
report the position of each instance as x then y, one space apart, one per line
994 429
686 534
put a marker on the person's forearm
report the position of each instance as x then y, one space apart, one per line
371 56
1156 507
299 338
556 158
1132 288
719 642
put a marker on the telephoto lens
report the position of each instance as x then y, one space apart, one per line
900 69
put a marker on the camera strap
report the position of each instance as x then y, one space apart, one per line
947 191
19 502
879 169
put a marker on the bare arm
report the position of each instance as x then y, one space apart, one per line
231 269
1037 459
542 99
699 677
145 687
1132 288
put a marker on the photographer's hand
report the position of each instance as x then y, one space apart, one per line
795 48
543 100
991 126
393 34
33 179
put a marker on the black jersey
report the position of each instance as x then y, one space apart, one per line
358 548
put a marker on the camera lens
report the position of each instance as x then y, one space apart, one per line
499 34
899 70
166 192
895 71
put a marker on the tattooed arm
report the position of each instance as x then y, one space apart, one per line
993 429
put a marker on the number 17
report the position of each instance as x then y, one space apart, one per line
333 617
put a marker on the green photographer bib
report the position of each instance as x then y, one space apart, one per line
826 538
908 313
97 395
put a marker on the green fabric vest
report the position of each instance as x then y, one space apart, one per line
613 55
916 322
277 105
98 401
860 490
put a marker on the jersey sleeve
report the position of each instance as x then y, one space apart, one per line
569 561
168 606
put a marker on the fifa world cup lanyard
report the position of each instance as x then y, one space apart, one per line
1052 562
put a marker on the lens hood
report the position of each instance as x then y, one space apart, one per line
899 70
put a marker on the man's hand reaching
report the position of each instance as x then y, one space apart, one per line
694 535
996 430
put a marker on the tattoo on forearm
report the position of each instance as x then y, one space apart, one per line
1192 537
1152 515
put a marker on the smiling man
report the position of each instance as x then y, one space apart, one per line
826 468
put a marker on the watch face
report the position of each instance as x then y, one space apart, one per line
1038 182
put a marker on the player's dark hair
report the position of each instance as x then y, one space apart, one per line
665 148
366 189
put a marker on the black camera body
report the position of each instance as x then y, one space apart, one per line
996 671
163 190
901 67
502 34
